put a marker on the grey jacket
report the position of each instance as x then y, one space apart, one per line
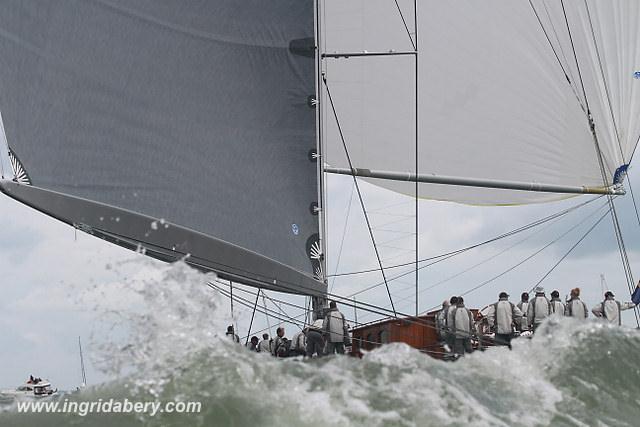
557 307
610 309
334 325
441 321
538 310
577 309
463 324
299 341
504 315
523 306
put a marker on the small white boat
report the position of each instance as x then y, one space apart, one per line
35 388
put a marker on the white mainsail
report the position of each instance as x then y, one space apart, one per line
494 98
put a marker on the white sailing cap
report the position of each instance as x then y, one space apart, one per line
539 290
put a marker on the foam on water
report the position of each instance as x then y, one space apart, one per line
158 337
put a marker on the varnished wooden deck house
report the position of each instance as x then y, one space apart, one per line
418 332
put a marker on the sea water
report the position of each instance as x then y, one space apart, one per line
163 347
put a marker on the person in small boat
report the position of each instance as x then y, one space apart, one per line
281 344
336 329
557 306
463 328
299 343
523 305
575 307
253 344
232 335
315 339
539 309
610 309
504 315
265 344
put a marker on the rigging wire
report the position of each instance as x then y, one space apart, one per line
575 57
343 300
355 181
555 33
549 40
513 232
484 261
623 252
542 279
294 320
491 240
610 105
413 44
386 312
264 304
253 314
564 71
614 216
344 234
604 81
513 267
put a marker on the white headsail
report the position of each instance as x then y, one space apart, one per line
500 95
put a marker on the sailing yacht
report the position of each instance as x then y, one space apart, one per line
205 132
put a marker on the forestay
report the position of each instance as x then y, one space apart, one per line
500 95
183 127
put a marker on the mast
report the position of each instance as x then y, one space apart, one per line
318 303
417 124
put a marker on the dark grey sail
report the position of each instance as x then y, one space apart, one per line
183 127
